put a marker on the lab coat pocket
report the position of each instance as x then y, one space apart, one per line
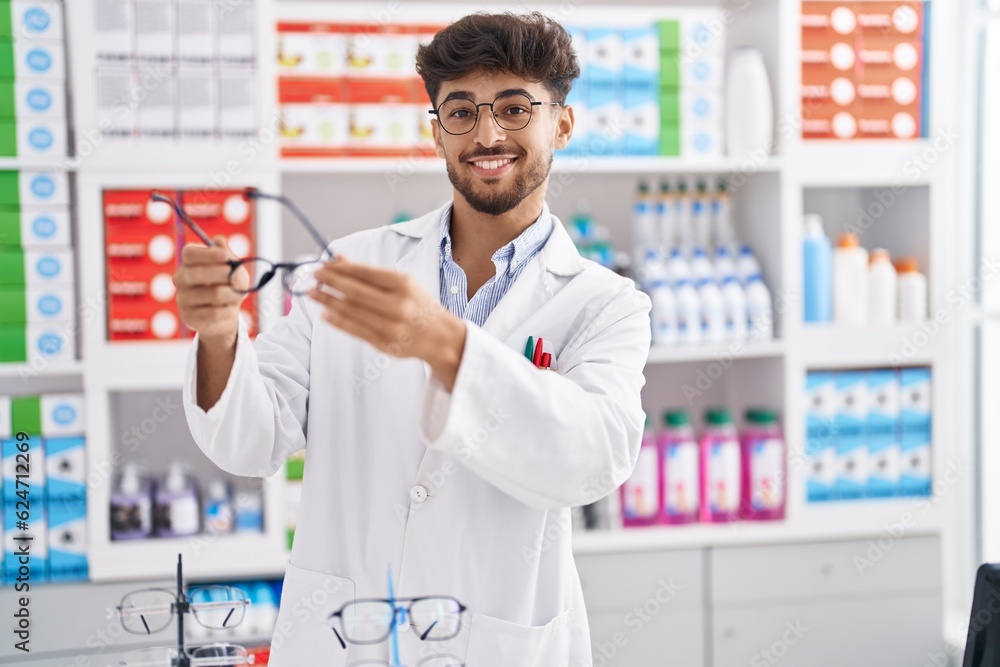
302 635
497 643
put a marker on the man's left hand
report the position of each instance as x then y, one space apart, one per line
391 312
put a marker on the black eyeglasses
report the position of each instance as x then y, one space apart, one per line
512 112
296 276
434 618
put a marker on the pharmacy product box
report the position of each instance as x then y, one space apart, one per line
884 465
33 188
916 471
604 56
578 38
820 411
67 525
703 33
39 137
705 71
65 461
37 343
311 50
915 399
5 419
33 99
641 56
852 467
883 401
36 268
883 433
607 127
23 459
31 19
642 120
34 227
577 98
34 537
699 140
325 126
701 105
669 35
62 415
36 305
381 126
389 54
31 59
851 417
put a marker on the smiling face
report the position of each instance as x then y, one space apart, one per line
495 169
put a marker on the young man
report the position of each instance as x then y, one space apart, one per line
432 442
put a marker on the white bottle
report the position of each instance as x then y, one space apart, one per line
663 316
721 217
666 212
725 267
701 268
746 264
702 215
912 292
713 311
882 298
850 282
760 316
749 108
644 233
682 218
735 300
677 267
688 312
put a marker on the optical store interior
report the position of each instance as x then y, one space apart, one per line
800 194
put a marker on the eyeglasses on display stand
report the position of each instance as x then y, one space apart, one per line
148 611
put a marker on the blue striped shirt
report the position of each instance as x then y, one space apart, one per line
509 261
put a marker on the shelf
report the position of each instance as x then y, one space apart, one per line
139 365
868 163
836 347
573 164
27 371
53 163
662 354
832 522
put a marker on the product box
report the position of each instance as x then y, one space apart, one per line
642 120
701 139
52 344
851 426
33 99
31 188
198 26
36 268
36 536
705 71
641 56
385 54
701 105
5 421
915 400
883 401
12 456
34 227
34 58
325 126
67 541
605 61
820 410
311 50
40 137
26 20
606 120
916 472
36 305
197 100
381 127
883 434
702 33
61 415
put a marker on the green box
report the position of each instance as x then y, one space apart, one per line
294 468
7 69
670 140
670 35
6 19
670 69
26 414
13 344
10 188
8 137
13 306
10 227
8 105
670 106
12 268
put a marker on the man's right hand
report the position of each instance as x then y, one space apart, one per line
206 302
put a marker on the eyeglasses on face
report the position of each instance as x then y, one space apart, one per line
433 618
296 277
512 111
151 610
210 655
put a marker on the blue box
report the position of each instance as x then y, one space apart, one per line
851 419
641 56
821 404
915 471
883 465
577 98
604 56
66 472
915 399
883 402
38 560
9 450
606 121
67 541
642 120
852 467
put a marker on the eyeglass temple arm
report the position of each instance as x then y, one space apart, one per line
156 196
254 193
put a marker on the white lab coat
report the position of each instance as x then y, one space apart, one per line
465 493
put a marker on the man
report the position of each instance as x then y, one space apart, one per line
432 443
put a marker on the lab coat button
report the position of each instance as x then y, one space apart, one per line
418 494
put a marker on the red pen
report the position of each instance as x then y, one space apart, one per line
536 359
546 360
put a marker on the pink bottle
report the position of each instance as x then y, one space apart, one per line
720 468
679 458
641 493
765 476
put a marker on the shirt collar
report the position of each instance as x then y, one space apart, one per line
515 252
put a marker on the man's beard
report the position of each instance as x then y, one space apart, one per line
526 180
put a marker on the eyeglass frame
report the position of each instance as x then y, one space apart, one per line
396 609
184 606
234 264
212 660
507 93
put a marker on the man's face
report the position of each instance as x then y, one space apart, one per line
492 168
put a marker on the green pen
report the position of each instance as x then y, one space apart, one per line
529 348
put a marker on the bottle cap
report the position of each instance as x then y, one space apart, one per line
698 252
702 188
218 490
848 240
718 417
676 418
721 251
755 277
761 416
664 187
879 255
643 188
176 480
813 225
907 265
131 481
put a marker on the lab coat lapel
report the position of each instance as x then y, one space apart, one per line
422 261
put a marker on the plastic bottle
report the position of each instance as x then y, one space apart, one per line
760 315
817 271
249 512
644 234
176 506
912 292
850 282
701 267
734 299
220 515
722 224
765 472
663 316
641 492
684 223
720 468
747 264
666 212
701 210
688 313
723 264
882 292
679 454
677 266
713 311
132 505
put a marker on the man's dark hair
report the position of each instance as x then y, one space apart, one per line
530 46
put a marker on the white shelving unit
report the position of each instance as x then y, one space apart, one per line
343 195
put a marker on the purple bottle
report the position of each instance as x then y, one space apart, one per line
641 493
720 468
679 457
765 475
132 505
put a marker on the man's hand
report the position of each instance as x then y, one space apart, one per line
392 313
205 301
